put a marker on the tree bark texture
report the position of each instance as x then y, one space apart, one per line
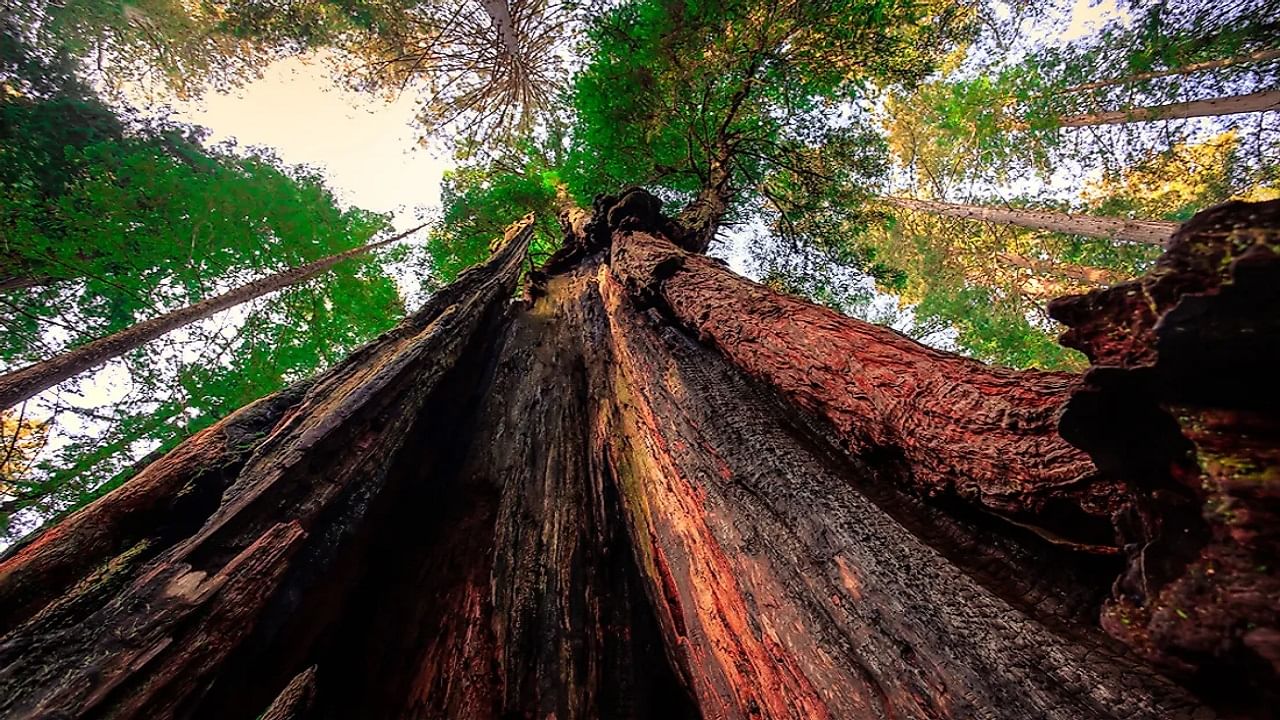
1153 232
648 489
1260 101
1182 401
31 380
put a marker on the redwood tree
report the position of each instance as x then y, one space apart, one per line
652 488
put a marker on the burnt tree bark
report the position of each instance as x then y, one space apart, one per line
1181 401
649 488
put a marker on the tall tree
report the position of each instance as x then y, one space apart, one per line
650 487
1260 101
22 384
630 498
110 219
1153 232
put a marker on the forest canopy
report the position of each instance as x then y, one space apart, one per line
944 168
631 359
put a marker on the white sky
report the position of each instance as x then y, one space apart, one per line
368 150
365 144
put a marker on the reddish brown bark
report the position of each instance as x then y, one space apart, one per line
622 497
961 427
172 493
786 593
1181 402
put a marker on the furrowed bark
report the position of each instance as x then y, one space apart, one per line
785 593
132 524
986 434
1153 232
26 382
166 627
649 489
1261 101
1181 402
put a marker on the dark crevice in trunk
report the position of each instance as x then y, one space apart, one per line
1059 587
354 578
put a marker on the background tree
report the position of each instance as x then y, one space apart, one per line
109 220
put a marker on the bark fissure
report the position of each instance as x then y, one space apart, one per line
651 488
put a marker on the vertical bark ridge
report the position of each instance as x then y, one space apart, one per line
787 596
983 433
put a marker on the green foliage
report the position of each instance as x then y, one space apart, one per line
675 92
105 222
480 201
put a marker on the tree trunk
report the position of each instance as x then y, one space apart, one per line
701 217
24 383
499 13
649 489
1080 273
1153 232
1183 403
1253 102
1257 56
22 282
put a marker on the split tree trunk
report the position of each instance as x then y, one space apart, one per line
1253 102
651 489
24 383
1153 232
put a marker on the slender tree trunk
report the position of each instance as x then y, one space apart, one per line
1080 273
23 282
1253 102
1153 232
1257 56
26 382
650 489
499 12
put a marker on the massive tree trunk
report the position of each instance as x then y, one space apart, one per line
648 489
1153 232
24 383
1253 102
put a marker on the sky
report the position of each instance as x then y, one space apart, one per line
369 151
365 144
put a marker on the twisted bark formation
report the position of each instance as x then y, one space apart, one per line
648 489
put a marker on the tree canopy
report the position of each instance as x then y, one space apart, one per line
778 133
